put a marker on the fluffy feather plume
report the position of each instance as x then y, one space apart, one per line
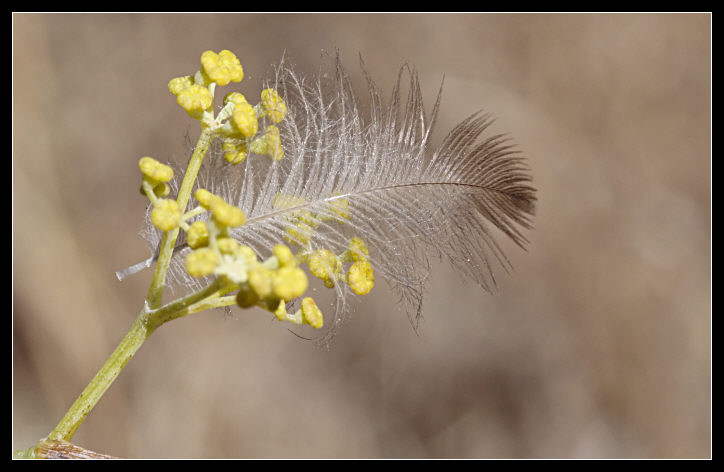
405 200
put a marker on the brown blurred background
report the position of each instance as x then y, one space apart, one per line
598 345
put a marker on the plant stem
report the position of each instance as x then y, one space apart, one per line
146 323
132 341
153 315
155 291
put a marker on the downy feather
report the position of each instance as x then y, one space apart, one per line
406 201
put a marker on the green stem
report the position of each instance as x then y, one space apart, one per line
139 332
170 311
146 323
205 304
155 291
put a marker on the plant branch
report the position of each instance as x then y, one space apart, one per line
155 291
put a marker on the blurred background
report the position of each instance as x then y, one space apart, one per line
597 345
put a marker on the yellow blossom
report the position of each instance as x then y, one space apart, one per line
201 262
234 152
179 84
358 249
166 214
225 214
227 245
244 120
260 280
311 314
289 282
281 311
325 265
284 256
273 105
234 97
197 235
223 67
155 170
195 99
361 277
205 198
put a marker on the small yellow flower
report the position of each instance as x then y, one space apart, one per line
225 214
195 99
269 144
205 198
284 256
361 277
234 152
179 84
289 282
166 214
227 245
197 235
222 68
273 105
154 170
325 265
358 249
234 97
201 262
260 280
281 311
311 314
244 120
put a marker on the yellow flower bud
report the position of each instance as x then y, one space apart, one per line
179 84
201 262
358 249
222 68
260 280
361 277
273 105
234 97
195 99
289 282
166 214
284 256
227 245
154 170
281 311
234 152
197 235
325 265
244 120
205 198
227 215
311 314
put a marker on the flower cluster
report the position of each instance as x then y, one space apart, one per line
238 121
276 281
328 266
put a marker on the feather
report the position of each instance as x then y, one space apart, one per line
408 202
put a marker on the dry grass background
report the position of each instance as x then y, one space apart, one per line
599 345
